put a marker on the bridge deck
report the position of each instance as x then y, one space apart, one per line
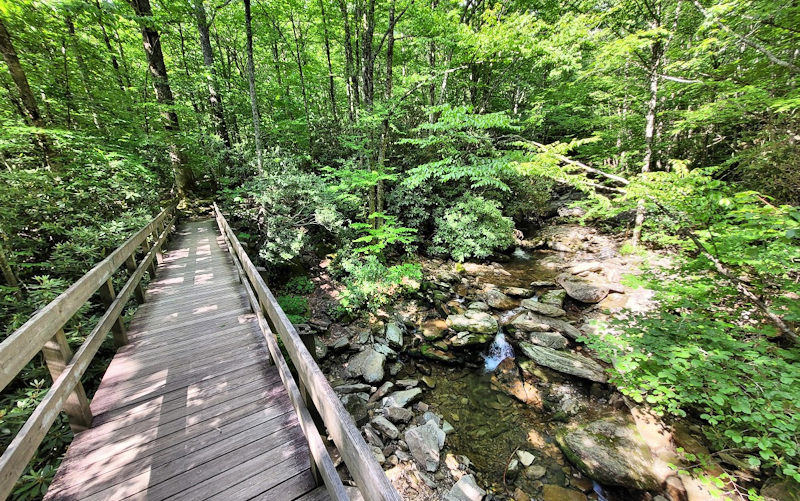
188 409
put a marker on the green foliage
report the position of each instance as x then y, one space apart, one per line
370 284
295 307
299 284
387 234
473 227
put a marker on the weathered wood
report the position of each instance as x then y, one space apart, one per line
107 295
18 349
57 355
367 473
138 291
23 446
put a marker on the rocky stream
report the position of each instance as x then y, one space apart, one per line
479 387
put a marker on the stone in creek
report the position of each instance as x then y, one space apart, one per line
466 489
394 335
542 283
434 329
549 339
535 472
386 428
508 378
473 321
518 292
353 388
367 364
424 443
401 398
555 297
398 414
407 383
611 451
589 289
478 305
579 268
564 361
528 322
558 493
542 308
467 338
429 351
356 406
525 457
429 381
556 324
498 300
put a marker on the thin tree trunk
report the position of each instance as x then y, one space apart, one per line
384 139
214 99
298 34
107 42
351 83
67 90
331 88
251 78
367 60
24 89
192 96
184 178
87 86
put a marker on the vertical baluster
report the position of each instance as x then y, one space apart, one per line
138 291
57 355
107 295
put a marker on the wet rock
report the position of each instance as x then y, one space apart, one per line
513 469
424 443
431 416
401 398
548 339
785 489
518 292
428 351
467 338
564 361
473 321
542 308
407 383
508 378
466 489
478 305
434 329
385 427
429 381
611 451
356 406
525 457
367 364
352 388
535 472
520 495
588 289
498 300
394 335
398 414
558 493
447 427
555 297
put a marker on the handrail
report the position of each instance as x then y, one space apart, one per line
44 332
367 473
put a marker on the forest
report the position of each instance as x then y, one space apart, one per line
439 183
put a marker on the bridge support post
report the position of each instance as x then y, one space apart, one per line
138 291
107 295
57 355
159 256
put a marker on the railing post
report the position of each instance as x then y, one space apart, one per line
107 295
138 291
159 257
57 355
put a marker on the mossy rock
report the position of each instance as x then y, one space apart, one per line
434 353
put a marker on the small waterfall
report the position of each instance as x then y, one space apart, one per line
498 351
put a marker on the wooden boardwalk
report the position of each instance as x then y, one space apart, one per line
189 409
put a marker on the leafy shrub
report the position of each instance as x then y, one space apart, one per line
370 284
473 227
299 284
295 307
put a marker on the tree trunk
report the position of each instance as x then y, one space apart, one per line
251 78
367 59
384 139
350 79
184 179
331 88
298 38
26 95
107 42
214 99
87 87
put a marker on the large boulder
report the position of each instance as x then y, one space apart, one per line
466 489
591 288
367 364
548 339
433 329
554 297
467 338
473 321
508 378
499 301
555 324
528 322
542 308
564 361
424 443
611 451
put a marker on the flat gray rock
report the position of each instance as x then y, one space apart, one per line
424 443
466 489
367 364
564 361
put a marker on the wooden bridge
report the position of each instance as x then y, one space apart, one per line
198 402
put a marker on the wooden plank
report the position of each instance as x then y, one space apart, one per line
271 485
367 473
23 446
318 494
188 323
56 355
18 349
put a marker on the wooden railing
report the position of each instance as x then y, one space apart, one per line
314 391
44 332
